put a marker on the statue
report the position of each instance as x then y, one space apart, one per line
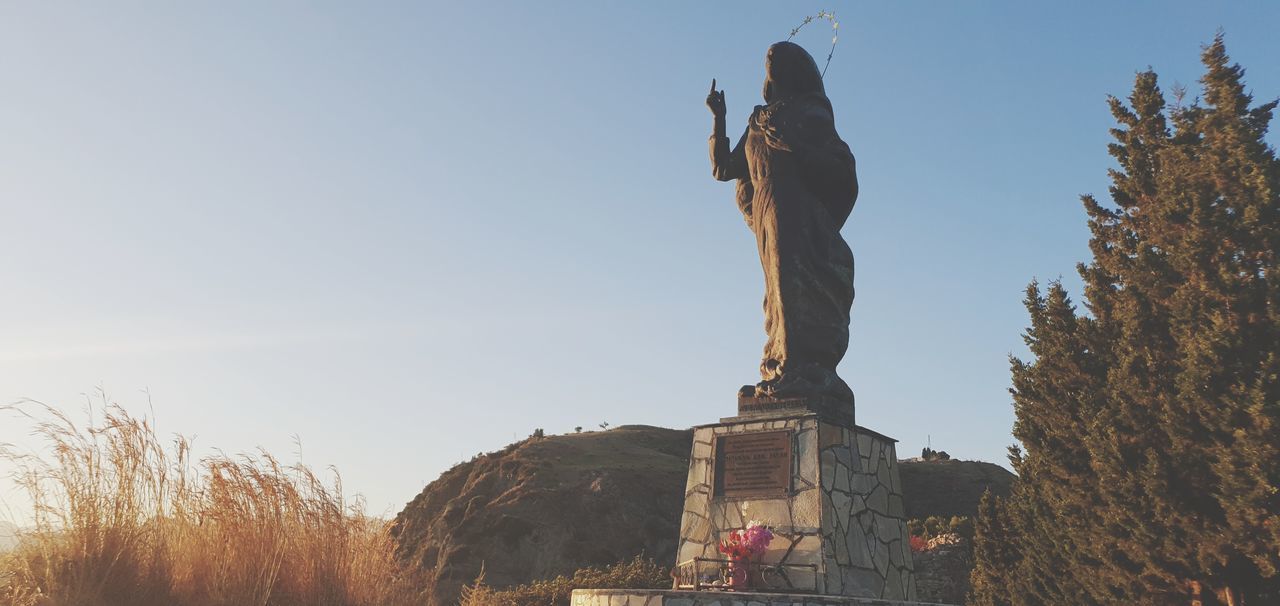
796 185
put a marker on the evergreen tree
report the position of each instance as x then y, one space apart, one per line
1151 426
996 557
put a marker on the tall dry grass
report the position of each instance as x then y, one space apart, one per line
121 519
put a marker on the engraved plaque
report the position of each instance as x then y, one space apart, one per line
753 464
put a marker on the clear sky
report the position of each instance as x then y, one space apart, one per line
408 233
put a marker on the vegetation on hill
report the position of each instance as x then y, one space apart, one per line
549 506
1150 425
638 573
121 520
942 551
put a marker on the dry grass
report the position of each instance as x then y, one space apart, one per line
122 520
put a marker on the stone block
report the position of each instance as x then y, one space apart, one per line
830 435
695 527
863 484
770 512
888 529
842 504
844 456
878 500
881 558
701 450
864 444
808 471
807 549
895 506
859 551
843 483
806 509
868 582
893 586
883 477
839 538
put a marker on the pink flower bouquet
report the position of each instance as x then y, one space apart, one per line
743 546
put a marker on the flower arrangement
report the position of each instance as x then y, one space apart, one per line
747 543
742 546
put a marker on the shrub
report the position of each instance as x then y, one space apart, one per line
929 454
639 573
936 526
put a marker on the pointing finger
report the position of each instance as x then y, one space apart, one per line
713 85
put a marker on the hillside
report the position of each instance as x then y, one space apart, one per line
549 506
543 507
950 488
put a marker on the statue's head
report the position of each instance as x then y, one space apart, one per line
790 71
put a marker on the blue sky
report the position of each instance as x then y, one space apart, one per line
408 233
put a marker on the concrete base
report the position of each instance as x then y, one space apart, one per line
647 597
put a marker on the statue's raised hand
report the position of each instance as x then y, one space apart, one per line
715 100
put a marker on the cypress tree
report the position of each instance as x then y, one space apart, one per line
994 556
1151 472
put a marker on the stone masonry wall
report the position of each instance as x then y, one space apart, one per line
866 544
842 526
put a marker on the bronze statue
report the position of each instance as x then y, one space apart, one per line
796 187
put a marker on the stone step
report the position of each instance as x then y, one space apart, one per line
659 597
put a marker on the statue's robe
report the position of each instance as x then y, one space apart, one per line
797 184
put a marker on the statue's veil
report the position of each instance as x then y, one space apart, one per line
790 71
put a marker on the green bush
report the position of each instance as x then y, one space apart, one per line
639 573
935 526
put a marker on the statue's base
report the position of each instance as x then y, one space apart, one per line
654 597
827 408
829 491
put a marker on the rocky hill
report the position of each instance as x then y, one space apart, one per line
549 506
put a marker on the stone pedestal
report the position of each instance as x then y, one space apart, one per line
837 516
830 409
